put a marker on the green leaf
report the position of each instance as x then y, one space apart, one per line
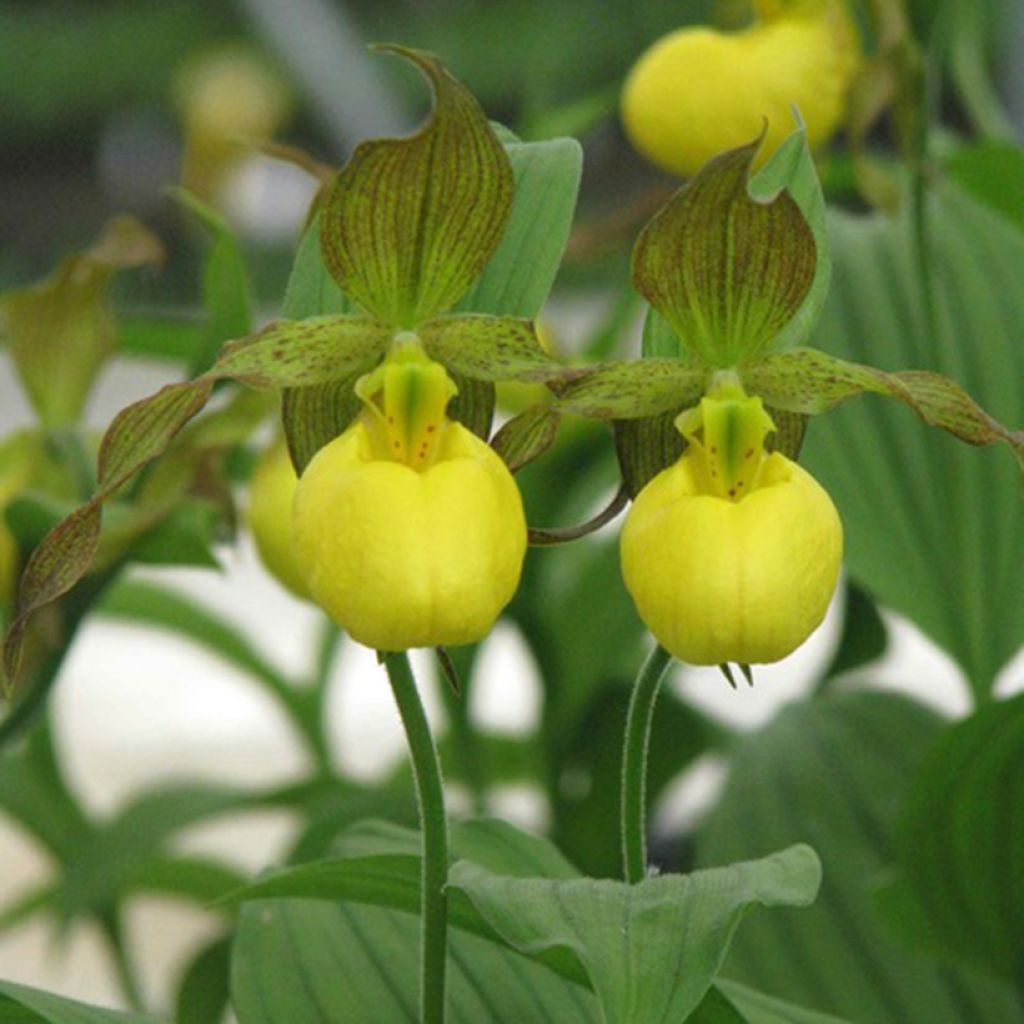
519 275
150 604
61 331
109 863
632 939
807 381
22 1005
757 1008
311 291
489 348
184 537
171 335
34 793
632 390
961 842
791 167
728 272
864 638
831 772
410 223
933 529
322 963
283 946
204 990
294 353
226 296
526 436
993 174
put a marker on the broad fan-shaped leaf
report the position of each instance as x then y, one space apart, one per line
934 529
961 842
650 950
832 772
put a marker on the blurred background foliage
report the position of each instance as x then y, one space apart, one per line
107 104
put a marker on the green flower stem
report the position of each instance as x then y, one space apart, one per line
634 763
434 827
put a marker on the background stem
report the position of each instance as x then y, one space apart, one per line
634 763
434 828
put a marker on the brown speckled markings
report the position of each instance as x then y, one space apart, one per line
137 436
808 381
728 272
410 223
489 348
295 353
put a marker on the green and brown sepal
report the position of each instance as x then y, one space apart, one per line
726 270
410 223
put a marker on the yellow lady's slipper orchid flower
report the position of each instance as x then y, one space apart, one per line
732 554
271 496
697 91
409 529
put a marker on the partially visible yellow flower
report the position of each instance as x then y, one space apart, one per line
409 529
697 91
732 554
271 494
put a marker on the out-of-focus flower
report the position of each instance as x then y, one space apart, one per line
271 495
698 91
227 98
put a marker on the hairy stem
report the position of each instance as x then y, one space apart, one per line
434 828
634 763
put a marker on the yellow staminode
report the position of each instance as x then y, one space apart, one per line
698 92
409 529
271 494
732 554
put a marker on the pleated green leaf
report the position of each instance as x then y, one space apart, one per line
961 842
336 962
323 963
934 529
832 772
757 1008
651 950
410 223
